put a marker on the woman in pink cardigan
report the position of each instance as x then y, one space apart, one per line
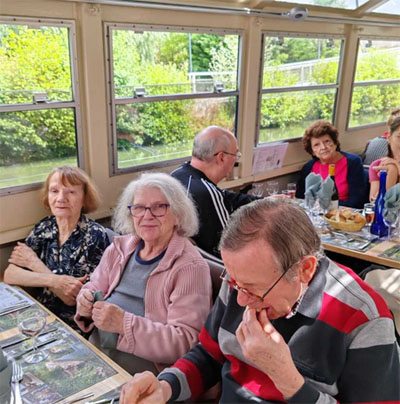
151 293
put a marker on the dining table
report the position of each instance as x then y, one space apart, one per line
74 371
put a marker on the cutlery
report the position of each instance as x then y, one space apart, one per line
39 345
15 308
20 338
79 398
109 400
17 376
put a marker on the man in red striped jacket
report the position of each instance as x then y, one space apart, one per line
289 325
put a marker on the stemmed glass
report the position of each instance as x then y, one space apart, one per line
272 188
391 220
31 322
257 189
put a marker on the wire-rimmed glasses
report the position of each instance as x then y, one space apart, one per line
157 209
237 155
232 283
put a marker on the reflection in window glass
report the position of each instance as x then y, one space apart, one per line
34 60
153 132
298 109
292 67
391 7
32 143
346 4
374 97
193 78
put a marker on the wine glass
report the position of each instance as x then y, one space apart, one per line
390 218
272 188
369 213
31 322
257 189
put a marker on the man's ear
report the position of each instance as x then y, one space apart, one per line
308 268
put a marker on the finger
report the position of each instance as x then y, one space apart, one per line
265 323
83 278
239 334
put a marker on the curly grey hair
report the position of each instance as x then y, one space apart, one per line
181 205
283 225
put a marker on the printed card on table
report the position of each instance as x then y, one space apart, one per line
269 157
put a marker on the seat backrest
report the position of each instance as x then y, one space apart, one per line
110 234
216 266
375 149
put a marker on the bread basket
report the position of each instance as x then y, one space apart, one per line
346 225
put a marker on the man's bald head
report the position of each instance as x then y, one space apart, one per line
211 140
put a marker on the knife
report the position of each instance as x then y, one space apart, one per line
13 341
15 308
39 345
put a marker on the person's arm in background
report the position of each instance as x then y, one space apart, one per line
27 269
373 180
357 182
301 183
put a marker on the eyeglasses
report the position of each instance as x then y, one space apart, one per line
157 210
237 155
232 283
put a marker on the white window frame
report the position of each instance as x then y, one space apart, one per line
294 89
113 102
73 104
355 84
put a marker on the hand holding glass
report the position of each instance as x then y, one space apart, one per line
31 322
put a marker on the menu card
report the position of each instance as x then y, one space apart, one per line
12 298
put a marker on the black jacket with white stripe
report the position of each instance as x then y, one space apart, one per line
214 205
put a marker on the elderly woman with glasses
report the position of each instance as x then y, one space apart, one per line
321 141
155 285
65 247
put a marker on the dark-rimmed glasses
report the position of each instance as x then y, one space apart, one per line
157 209
237 155
232 283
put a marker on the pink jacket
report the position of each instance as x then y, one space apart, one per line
177 299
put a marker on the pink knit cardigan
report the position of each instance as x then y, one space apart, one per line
177 299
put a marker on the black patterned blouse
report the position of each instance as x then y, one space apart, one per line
78 256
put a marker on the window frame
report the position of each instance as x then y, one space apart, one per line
73 104
294 89
367 83
113 101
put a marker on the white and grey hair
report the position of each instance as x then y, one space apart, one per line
205 147
181 205
283 225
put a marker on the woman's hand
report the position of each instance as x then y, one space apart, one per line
145 388
24 257
108 317
266 348
67 287
84 303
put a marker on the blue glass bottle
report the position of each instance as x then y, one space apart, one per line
378 226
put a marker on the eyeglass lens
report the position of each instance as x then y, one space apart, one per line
156 210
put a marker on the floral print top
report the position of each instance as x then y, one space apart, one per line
78 256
